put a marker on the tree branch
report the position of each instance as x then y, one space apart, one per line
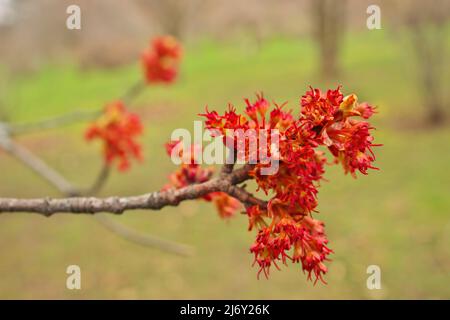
36 164
89 205
246 197
99 182
70 118
146 240
134 91
117 205
59 121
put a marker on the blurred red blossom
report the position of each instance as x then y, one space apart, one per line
161 60
118 129
226 206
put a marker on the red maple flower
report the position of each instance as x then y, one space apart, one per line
260 107
161 60
226 205
190 172
118 129
286 229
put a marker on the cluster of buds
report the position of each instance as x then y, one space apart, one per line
161 60
286 229
190 172
118 129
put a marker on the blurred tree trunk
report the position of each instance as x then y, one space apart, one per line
429 47
426 23
173 16
329 26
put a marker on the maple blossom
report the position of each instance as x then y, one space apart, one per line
190 172
118 129
286 228
161 60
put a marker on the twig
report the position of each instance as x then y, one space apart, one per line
146 240
59 121
73 117
99 182
134 91
246 197
228 166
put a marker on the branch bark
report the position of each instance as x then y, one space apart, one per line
117 205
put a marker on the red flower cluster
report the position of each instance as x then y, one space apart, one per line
190 172
326 119
161 60
118 128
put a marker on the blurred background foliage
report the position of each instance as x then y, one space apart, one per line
397 218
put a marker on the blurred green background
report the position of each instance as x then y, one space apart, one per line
396 218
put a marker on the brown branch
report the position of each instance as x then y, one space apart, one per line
228 166
90 205
245 197
240 175
117 205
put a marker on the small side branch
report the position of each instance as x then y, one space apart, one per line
142 239
37 165
56 122
99 181
73 117
246 197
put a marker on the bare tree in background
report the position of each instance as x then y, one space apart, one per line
329 27
172 15
426 22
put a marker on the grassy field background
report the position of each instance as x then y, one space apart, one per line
397 218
